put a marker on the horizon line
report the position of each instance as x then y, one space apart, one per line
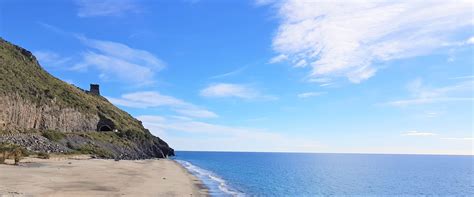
361 153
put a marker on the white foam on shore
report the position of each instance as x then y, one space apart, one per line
210 179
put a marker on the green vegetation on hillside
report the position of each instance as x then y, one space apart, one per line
22 76
54 136
26 84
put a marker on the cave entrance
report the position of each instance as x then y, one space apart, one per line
105 124
105 128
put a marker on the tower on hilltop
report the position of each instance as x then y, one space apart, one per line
94 89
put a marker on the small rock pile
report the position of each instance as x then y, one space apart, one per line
34 142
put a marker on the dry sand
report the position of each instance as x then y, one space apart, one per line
80 176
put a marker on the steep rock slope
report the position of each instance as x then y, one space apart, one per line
34 103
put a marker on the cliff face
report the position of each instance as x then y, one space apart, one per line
19 114
32 102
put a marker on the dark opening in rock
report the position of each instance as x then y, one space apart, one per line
105 128
105 124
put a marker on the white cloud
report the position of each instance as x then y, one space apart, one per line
94 8
319 80
228 90
418 133
345 38
115 69
124 52
264 2
301 63
422 94
326 84
432 114
146 100
50 59
119 62
310 94
278 59
222 137
470 40
196 112
322 81
222 90
459 138
152 99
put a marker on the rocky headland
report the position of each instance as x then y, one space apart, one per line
45 114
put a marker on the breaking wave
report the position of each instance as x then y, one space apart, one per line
216 185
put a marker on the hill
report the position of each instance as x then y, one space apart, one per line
45 114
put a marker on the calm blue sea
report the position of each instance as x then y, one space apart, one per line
301 174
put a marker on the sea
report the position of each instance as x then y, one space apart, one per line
320 174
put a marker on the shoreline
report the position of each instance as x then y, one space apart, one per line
82 176
198 184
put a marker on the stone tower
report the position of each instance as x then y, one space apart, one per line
95 89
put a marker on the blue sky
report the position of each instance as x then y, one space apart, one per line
319 76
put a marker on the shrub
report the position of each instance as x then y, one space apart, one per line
69 145
55 136
18 153
12 150
4 148
133 135
43 155
91 149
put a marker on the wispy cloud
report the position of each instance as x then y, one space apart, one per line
196 112
231 73
152 99
428 100
432 114
345 38
264 2
430 134
188 125
468 41
464 77
94 8
326 84
322 81
50 58
310 94
119 62
418 133
278 59
422 94
55 29
115 61
459 138
125 52
223 137
222 90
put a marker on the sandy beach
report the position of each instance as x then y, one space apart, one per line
81 176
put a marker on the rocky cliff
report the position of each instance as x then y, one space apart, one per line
40 111
17 113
